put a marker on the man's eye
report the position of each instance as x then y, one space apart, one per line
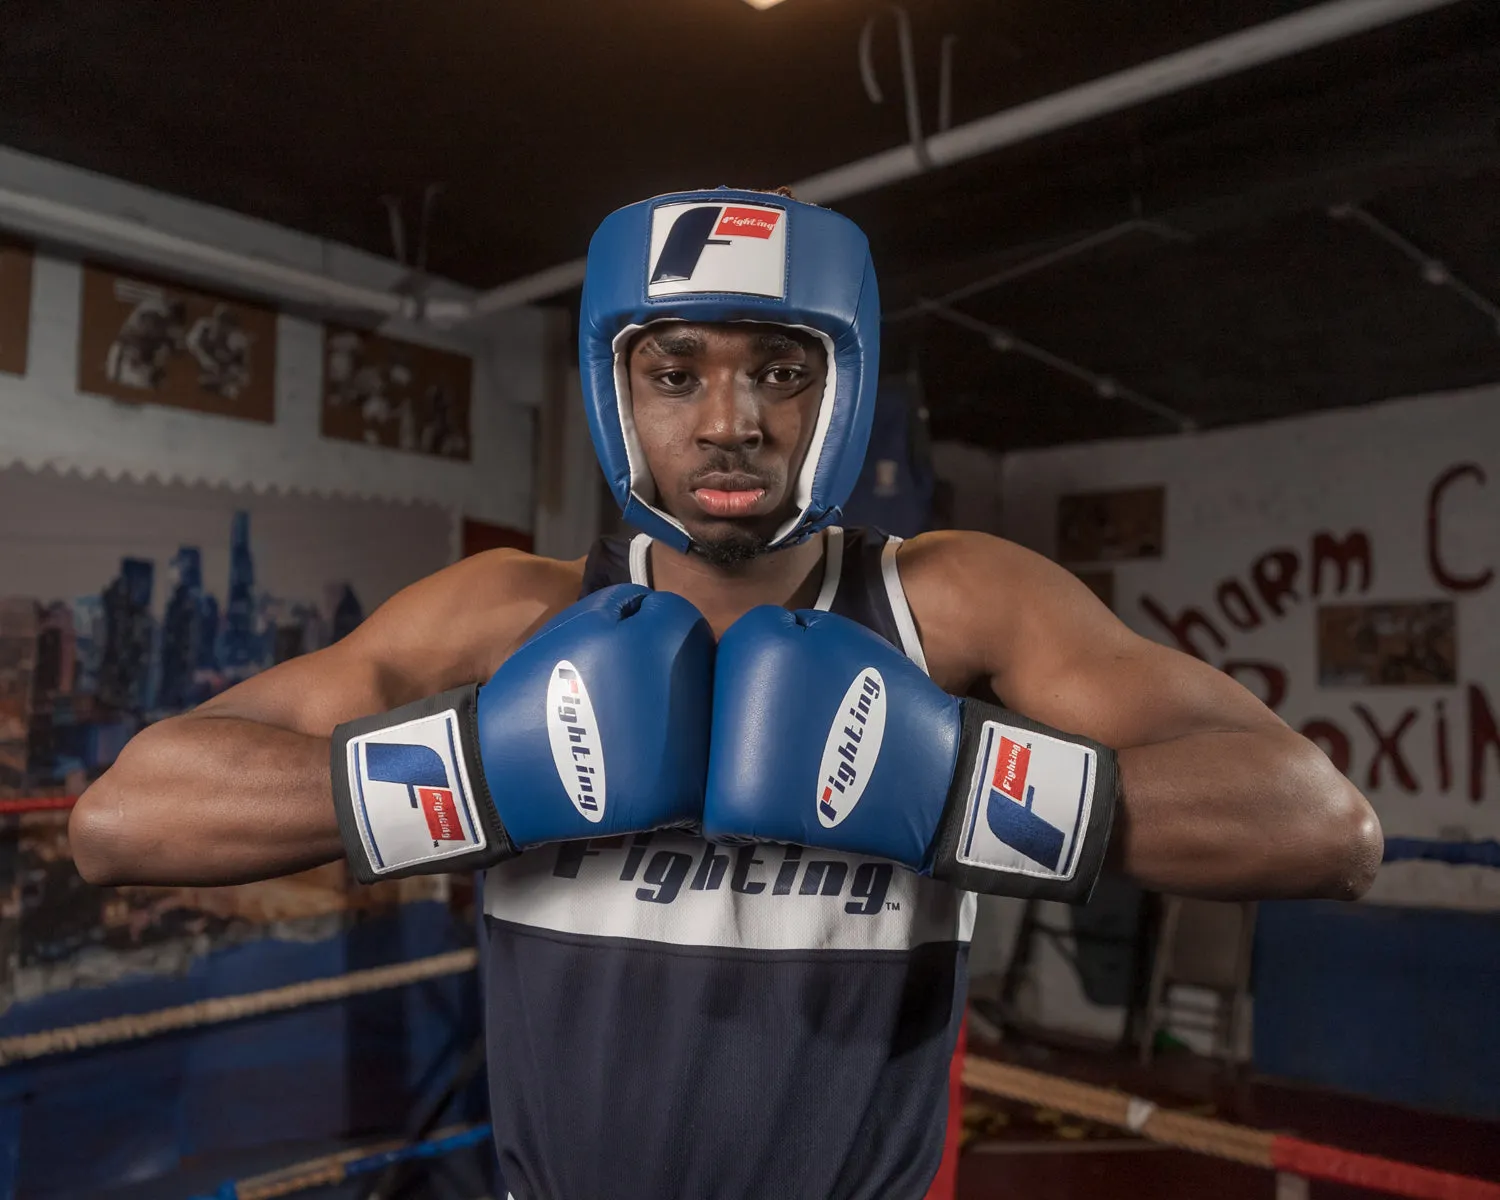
674 379
783 376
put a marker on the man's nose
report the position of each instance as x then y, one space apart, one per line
728 415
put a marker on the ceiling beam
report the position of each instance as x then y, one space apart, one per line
1260 44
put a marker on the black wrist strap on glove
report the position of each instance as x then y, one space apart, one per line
410 791
1030 809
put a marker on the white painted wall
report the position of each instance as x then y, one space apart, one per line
1233 495
975 477
44 421
568 508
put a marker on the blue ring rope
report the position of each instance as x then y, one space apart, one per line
229 1189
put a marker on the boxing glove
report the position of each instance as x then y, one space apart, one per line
598 725
825 735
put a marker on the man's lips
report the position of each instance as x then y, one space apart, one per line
729 495
718 503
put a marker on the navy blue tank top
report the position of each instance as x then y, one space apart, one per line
670 1019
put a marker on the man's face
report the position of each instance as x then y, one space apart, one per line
724 415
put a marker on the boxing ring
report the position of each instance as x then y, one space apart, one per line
1280 1153
1283 1154
1239 1143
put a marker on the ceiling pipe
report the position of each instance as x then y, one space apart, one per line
52 221
1039 262
1223 56
910 94
1004 341
512 295
1434 270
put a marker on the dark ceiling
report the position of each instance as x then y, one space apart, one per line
540 118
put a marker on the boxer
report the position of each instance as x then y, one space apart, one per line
734 782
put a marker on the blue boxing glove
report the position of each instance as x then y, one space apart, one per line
598 725
825 735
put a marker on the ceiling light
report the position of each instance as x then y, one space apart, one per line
762 4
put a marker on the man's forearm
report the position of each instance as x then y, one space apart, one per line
1243 815
202 800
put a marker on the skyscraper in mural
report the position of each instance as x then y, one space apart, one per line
125 668
92 671
347 613
182 631
240 643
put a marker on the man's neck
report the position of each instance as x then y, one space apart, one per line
791 578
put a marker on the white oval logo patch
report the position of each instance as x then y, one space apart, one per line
574 735
852 748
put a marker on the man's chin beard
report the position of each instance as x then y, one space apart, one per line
731 547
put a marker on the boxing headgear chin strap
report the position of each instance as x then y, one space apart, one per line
717 256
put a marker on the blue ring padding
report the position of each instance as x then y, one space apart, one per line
1458 854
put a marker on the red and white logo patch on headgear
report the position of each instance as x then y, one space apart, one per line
706 248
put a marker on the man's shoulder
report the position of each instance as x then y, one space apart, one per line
470 615
509 588
963 557
509 573
965 589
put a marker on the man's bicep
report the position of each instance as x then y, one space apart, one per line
310 694
1069 661
438 633
1138 697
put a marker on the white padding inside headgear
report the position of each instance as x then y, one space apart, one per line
643 486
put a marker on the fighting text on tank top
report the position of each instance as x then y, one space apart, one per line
673 1018
663 887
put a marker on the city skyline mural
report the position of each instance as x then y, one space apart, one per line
104 666
122 603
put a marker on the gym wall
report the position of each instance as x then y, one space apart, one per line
46 421
1344 567
159 519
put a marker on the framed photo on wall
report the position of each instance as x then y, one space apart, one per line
383 392
15 306
145 341
1388 645
1111 526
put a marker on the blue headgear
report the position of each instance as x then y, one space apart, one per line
725 255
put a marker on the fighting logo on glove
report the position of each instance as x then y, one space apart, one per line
956 789
476 775
1035 793
852 748
823 735
412 787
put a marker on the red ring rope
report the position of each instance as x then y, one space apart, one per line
1378 1174
1293 1155
30 804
